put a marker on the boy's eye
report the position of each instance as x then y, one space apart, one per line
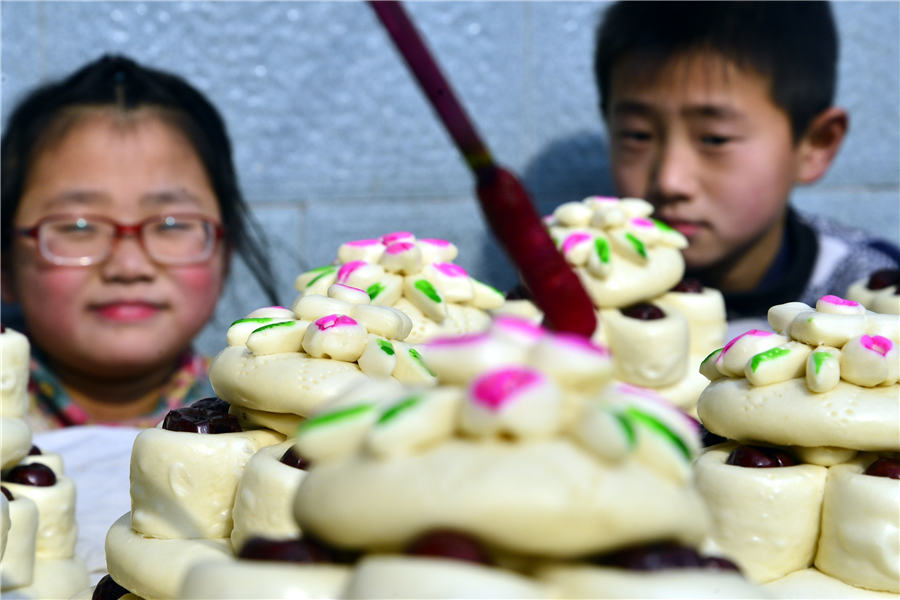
634 135
715 140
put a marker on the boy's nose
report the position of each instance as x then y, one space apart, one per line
674 175
128 261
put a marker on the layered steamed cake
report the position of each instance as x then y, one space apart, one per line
805 492
658 327
227 476
525 473
218 473
37 504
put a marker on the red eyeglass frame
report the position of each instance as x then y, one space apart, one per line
121 230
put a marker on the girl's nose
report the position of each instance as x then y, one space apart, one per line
128 261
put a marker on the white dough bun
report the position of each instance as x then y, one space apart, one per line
765 520
57 530
249 418
393 576
812 584
649 353
264 501
152 568
789 414
53 578
586 581
629 282
246 580
17 566
860 541
289 382
705 314
15 353
4 523
548 497
50 459
15 441
460 320
183 484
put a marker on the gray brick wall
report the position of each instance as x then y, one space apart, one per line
334 141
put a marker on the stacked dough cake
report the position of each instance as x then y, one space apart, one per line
37 506
658 327
201 497
523 474
805 495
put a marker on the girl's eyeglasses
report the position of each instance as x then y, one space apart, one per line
82 240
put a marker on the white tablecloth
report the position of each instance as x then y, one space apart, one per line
97 459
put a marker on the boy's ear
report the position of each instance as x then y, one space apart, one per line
819 145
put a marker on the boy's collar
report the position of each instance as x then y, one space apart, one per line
785 279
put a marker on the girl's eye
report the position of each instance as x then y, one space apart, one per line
172 226
76 227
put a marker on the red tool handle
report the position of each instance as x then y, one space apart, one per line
504 201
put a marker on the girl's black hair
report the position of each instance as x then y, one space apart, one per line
794 44
121 83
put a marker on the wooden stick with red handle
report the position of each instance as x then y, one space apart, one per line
504 201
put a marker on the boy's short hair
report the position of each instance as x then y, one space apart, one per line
793 44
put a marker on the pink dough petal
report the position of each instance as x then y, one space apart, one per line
347 269
450 270
754 332
877 343
574 240
390 238
838 301
330 321
399 247
496 390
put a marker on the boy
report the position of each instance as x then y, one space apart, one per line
715 110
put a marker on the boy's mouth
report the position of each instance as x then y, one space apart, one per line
686 228
127 311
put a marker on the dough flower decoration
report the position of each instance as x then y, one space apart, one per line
838 340
342 325
517 381
414 275
282 363
619 252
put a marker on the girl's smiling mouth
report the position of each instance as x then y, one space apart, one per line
127 311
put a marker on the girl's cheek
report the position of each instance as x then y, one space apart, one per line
55 290
200 284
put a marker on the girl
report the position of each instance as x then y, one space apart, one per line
120 212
